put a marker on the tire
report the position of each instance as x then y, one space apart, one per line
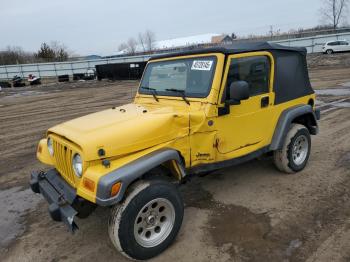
329 51
295 152
148 220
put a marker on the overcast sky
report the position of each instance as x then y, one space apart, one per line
99 26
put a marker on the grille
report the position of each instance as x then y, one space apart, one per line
63 156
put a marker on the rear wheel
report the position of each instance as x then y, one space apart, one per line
148 220
295 152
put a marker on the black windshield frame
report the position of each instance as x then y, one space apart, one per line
145 79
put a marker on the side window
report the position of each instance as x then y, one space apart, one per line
254 70
333 43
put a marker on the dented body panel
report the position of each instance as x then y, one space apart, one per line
198 133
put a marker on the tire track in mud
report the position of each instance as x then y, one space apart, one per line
70 104
246 235
312 216
24 119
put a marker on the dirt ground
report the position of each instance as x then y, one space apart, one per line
247 213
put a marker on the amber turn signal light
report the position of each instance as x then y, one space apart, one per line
89 184
115 189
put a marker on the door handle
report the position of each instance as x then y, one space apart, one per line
265 101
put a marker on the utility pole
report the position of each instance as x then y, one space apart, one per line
271 31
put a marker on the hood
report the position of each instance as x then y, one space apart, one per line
124 129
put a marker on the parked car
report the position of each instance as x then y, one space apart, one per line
18 81
194 112
336 46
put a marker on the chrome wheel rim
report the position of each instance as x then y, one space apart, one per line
154 222
300 149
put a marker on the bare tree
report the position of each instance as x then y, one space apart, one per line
131 46
334 11
146 40
60 51
15 55
142 41
122 47
150 38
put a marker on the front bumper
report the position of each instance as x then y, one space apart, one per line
58 193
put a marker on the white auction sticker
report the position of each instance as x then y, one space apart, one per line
202 65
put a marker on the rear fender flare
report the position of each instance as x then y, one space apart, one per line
289 116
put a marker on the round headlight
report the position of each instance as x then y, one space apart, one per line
77 165
50 146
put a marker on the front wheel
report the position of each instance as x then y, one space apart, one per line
329 51
295 152
148 220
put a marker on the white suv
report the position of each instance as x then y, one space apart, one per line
336 46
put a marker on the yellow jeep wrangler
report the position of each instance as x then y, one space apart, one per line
194 112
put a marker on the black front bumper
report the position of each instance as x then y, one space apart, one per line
58 193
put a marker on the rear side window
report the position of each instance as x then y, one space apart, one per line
344 43
254 70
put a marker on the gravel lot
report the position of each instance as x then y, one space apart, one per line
247 213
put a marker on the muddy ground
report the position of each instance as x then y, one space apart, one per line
246 213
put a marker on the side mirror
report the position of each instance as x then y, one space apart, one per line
239 90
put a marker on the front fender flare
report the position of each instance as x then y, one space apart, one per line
132 171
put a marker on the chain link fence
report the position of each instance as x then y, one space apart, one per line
313 44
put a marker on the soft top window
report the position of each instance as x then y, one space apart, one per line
254 70
291 77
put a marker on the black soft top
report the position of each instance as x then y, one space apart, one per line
235 49
291 75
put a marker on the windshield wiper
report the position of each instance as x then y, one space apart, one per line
182 92
153 91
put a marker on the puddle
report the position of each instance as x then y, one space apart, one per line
15 94
342 104
330 106
28 93
347 84
334 92
344 161
293 245
14 204
235 229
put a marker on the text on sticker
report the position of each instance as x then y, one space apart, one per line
201 65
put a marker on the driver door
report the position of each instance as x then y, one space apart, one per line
246 127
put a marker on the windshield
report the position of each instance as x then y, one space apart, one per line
191 76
